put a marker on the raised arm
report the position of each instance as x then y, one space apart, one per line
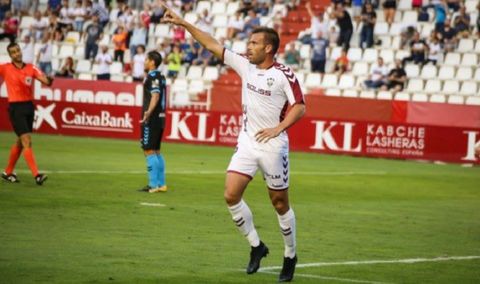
203 38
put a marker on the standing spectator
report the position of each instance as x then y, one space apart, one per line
342 64
145 15
67 70
434 49
449 38
4 8
235 25
101 12
389 9
174 61
79 13
358 9
204 57
66 17
54 5
441 11
292 56
126 19
377 75
93 34
454 4
418 48
103 59
39 26
344 22
27 50
138 37
138 70
44 56
189 51
317 22
396 78
205 22
178 34
319 56
252 23
120 42
461 23
10 27
369 18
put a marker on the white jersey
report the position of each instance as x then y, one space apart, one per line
266 94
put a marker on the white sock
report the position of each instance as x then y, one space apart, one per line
287 226
242 216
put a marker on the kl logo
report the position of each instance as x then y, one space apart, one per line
44 114
472 144
181 128
325 140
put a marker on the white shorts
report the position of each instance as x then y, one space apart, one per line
275 166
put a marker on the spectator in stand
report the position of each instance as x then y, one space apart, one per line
235 25
120 42
93 35
136 4
291 56
101 12
319 53
406 36
417 4
58 35
478 20
344 22
126 18
454 4
104 60
389 9
333 35
138 70
204 22
252 23
187 6
178 34
396 78
449 38
138 37
358 9
39 26
164 49
4 8
377 76
317 22
44 56
369 18
10 27
157 13
434 49
79 13
145 15
27 50
54 5
441 11
342 64
461 22
174 61
21 7
189 51
204 57
418 49
67 70
66 17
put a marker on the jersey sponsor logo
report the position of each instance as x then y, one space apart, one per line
28 81
44 114
258 90
472 143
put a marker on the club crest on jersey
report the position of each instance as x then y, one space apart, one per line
28 81
155 83
270 82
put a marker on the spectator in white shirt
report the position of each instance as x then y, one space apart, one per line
434 49
44 56
378 75
79 12
138 37
27 50
39 26
138 70
66 16
235 25
318 23
103 59
204 22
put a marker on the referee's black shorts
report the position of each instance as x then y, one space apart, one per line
152 133
21 115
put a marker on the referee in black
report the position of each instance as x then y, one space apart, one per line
153 122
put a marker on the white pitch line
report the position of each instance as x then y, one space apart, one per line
152 204
364 262
193 172
328 278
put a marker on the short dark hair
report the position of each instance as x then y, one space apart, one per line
10 45
156 57
271 37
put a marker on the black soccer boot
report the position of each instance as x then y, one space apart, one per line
288 269
256 255
10 177
40 179
145 188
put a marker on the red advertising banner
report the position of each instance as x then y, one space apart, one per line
107 109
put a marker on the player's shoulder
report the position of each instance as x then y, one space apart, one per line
286 71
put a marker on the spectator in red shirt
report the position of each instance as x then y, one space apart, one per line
10 27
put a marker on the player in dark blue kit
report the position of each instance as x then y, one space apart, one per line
153 122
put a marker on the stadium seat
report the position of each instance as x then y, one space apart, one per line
401 54
465 45
388 55
116 67
452 59
384 95
220 32
402 96
428 72
471 6
66 51
437 98
446 73
360 69
410 16
79 52
162 30
194 72
451 87
85 76
367 94
464 73
370 55
354 54
396 29
219 8
191 17
72 37
210 73
404 5
195 87
117 78
105 40
300 77
305 51
329 81
332 92
349 93
415 85
455 99
232 8
83 66
386 41
180 99
477 46
5 58
419 97
381 28
239 46
469 88
346 82
55 64
312 80
220 21
335 52
469 59
202 5
26 22
477 75
395 43
473 101
433 86
412 70
427 29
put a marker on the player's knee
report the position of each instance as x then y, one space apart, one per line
231 199
280 204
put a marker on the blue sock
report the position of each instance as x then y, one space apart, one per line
152 168
161 170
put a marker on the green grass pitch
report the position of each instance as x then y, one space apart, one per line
87 223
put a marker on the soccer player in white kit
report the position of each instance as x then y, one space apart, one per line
267 90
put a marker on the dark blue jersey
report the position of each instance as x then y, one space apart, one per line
155 83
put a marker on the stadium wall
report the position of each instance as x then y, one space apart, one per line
359 127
